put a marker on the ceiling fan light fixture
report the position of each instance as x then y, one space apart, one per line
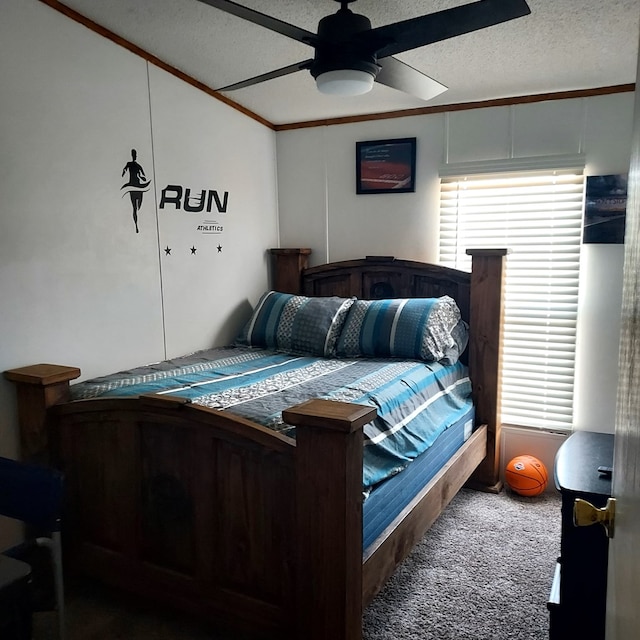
345 82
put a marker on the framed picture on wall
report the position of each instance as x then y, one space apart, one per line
605 209
386 166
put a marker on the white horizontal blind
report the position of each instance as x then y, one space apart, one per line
538 216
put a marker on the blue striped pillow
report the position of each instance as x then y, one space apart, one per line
296 324
428 329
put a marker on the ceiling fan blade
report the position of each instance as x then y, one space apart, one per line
401 76
434 27
292 68
263 20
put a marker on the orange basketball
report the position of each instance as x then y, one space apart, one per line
526 475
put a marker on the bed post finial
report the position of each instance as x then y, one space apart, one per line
287 269
38 387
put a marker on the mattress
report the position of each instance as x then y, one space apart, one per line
416 401
387 499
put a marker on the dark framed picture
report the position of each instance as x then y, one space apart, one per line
386 166
605 209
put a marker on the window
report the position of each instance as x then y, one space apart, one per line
537 215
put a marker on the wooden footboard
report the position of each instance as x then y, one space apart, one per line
183 505
210 513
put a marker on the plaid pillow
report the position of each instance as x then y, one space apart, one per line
296 324
428 329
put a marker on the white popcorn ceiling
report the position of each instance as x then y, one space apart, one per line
563 45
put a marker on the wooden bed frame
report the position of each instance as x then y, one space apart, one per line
217 516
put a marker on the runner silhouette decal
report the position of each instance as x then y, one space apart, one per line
136 186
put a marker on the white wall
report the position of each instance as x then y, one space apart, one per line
319 207
78 286
199 143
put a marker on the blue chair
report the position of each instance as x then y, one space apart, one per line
33 495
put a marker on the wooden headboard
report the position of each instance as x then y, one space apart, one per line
376 277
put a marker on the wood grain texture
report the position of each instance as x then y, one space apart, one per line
181 508
288 263
38 387
329 518
485 355
461 106
386 277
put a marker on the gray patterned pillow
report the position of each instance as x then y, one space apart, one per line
296 324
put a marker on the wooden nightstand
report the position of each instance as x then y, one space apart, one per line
578 597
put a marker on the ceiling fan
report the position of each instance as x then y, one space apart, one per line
350 55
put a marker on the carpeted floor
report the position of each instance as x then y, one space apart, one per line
483 572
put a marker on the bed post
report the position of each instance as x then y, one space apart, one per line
38 387
485 355
328 536
288 267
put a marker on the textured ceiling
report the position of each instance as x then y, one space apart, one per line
563 45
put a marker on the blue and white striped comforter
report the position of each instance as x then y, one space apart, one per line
416 401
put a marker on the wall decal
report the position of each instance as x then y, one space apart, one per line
210 226
179 198
136 185
193 250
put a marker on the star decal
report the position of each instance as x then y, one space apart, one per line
219 249
167 251
193 251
